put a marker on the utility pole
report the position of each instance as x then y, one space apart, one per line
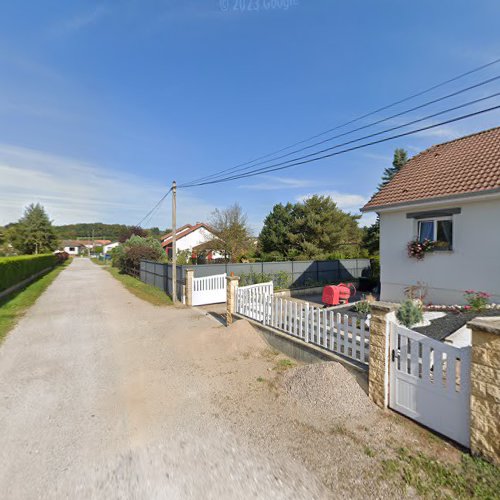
174 242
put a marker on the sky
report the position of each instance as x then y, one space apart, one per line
104 104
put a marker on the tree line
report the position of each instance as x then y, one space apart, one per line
311 229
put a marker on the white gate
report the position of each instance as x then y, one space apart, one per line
209 290
430 382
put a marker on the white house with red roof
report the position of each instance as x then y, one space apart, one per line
448 195
192 238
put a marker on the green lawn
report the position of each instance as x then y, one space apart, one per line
13 308
146 292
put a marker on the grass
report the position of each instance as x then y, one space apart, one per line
142 290
283 365
14 307
472 478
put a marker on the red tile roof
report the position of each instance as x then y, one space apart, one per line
180 229
470 164
184 231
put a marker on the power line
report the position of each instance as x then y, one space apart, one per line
413 96
391 129
150 213
273 168
453 94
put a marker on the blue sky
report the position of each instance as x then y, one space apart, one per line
103 104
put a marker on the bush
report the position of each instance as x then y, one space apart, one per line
127 257
363 307
13 270
410 313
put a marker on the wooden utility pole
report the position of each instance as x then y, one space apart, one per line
174 242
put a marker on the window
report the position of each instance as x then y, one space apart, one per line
71 249
438 230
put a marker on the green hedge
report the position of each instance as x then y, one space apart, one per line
16 269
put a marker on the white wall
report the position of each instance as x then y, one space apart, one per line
474 262
107 248
75 251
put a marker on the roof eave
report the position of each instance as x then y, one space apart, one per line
424 201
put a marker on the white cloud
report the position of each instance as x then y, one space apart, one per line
75 191
346 201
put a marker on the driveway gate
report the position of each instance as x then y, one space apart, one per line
209 290
430 382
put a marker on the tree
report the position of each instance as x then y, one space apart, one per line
371 236
399 160
232 234
34 232
320 229
131 231
273 238
312 229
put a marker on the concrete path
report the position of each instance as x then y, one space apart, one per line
106 396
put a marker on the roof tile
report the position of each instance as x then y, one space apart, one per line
470 164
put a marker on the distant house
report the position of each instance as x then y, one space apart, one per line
79 247
192 238
73 247
109 246
450 195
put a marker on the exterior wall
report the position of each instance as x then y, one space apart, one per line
107 248
197 237
75 251
474 262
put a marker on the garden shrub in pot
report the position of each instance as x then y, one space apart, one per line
410 313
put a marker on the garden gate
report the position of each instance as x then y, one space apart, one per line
430 382
209 290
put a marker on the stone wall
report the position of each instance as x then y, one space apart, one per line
485 388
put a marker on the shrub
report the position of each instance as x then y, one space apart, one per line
13 270
363 307
127 257
131 259
409 313
477 301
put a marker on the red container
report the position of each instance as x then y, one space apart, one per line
344 292
330 295
333 295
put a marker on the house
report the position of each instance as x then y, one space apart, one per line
79 247
106 248
73 247
189 237
448 194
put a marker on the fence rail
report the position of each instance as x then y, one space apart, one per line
342 334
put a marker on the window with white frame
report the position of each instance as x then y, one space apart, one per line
438 230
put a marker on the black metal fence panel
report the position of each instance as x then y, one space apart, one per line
284 274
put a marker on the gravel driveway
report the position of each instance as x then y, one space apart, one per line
106 396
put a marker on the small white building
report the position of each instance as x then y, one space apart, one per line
448 194
108 247
73 247
190 236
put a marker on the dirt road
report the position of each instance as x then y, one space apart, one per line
106 396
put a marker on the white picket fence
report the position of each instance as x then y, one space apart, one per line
341 334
